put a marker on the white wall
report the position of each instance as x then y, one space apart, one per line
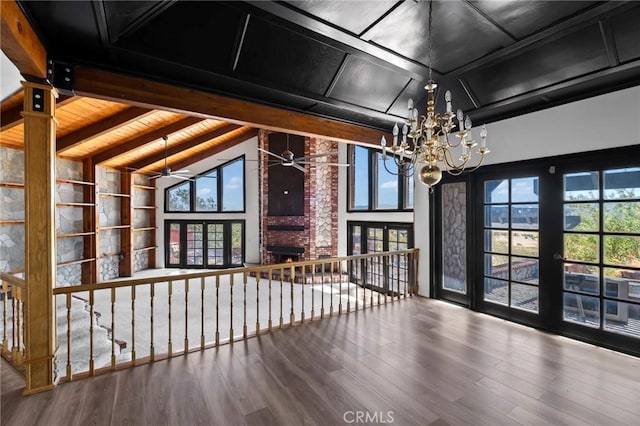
605 121
251 215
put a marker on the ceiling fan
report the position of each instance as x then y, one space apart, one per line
287 159
166 171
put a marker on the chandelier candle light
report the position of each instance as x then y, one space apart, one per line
434 138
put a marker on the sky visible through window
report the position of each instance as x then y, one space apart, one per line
233 186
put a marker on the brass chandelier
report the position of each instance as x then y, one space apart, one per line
434 138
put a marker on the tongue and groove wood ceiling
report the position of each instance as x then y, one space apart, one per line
354 62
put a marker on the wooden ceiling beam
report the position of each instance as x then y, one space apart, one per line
203 155
185 145
101 127
151 94
20 43
13 116
146 138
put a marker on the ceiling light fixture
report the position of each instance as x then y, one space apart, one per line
433 137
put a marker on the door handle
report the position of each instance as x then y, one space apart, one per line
558 256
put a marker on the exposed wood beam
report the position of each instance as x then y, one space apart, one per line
101 127
185 145
13 116
118 87
215 149
145 139
20 42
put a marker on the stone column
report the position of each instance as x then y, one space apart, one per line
40 243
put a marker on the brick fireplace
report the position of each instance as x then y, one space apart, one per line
302 223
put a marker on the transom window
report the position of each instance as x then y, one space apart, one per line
372 186
217 190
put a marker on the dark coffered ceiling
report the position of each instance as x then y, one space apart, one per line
357 61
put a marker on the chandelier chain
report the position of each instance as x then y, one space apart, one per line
430 40
432 137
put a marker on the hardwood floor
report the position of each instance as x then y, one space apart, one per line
416 362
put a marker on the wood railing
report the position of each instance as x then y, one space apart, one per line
12 305
118 324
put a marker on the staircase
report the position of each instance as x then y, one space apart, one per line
80 326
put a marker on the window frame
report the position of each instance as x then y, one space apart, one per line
219 170
227 243
403 183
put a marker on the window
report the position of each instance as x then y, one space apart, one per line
602 249
369 237
217 190
376 185
178 198
511 243
207 191
204 244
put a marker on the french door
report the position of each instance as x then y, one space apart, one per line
551 246
371 237
204 244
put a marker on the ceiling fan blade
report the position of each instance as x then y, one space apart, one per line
323 154
155 177
299 167
322 163
271 153
182 171
180 177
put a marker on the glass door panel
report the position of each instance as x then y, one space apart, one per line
195 238
174 245
215 244
601 258
512 243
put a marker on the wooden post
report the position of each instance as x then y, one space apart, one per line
40 259
90 249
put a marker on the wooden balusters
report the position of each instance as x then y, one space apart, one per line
217 338
292 316
202 287
231 310
68 306
303 283
339 287
170 323
244 305
5 297
313 283
322 293
186 316
91 324
388 273
152 296
257 304
113 328
281 296
331 286
133 325
270 321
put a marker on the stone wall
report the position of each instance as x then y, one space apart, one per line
454 240
109 247
69 220
12 238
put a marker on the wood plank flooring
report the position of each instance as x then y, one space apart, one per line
417 362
